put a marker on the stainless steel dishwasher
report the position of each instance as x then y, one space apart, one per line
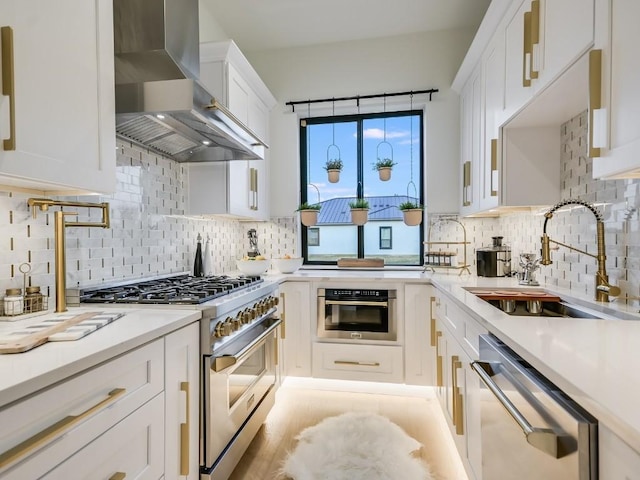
531 430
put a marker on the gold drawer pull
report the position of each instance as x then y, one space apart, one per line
456 396
118 476
282 317
8 84
184 433
363 364
438 361
433 322
39 439
494 165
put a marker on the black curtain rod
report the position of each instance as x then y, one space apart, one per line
357 98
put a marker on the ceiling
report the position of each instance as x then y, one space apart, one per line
267 24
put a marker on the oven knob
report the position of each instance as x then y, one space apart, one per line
228 326
218 331
276 301
250 314
238 321
273 302
256 306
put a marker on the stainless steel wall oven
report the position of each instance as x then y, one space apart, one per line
357 314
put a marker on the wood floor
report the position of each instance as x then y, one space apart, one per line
301 405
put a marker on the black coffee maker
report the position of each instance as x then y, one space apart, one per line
494 261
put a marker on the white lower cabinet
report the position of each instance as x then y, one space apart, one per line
420 302
182 387
299 312
114 421
616 459
371 363
133 449
43 430
458 387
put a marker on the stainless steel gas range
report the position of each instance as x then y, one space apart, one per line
239 352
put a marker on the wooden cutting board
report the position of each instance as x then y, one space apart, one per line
516 295
41 336
361 262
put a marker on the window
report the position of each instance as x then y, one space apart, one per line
359 141
385 238
313 237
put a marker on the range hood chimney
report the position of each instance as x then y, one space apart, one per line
160 102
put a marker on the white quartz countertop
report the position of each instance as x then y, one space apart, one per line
593 361
22 374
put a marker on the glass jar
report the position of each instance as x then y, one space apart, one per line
13 302
32 300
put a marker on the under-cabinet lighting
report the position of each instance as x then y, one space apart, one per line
160 116
206 142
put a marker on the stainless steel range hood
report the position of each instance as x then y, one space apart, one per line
159 101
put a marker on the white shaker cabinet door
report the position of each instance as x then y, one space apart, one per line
60 115
182 386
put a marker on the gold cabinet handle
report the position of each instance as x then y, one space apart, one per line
456 396
255 188
118 476
282 317
438 360
494 165
527 50
59 428
535 36
184 432
362 364
466 183
595 95
8 84
432 331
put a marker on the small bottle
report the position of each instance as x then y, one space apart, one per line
13 302
198 269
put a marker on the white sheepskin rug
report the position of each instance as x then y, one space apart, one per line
355 446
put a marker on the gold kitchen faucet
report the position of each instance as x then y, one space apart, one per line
59 225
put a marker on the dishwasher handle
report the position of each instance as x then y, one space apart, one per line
543 439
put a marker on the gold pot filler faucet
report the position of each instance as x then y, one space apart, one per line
59 225
603 287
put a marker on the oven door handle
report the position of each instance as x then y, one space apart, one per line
356 303
543 439
222 362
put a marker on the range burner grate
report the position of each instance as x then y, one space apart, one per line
182 289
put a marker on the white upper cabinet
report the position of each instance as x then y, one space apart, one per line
60 113
240 188
470 141
542 39
616 125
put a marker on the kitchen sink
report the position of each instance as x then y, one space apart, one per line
547 309
540 303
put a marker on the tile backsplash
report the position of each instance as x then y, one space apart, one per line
151 235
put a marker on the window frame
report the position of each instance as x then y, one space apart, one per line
390 229
315 229
359 119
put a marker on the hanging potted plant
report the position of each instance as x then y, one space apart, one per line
309 213
359 211
412 213
384 166
333 168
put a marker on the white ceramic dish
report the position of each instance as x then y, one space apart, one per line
253 267
287 265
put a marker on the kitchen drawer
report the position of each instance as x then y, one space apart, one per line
471 341
53 424
133 448
374 363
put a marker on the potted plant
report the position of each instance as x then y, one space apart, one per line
412 213
384 166
309 213
359 211
333 168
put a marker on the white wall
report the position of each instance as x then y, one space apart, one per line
408 62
